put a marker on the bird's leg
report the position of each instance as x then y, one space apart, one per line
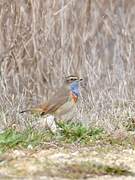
51 125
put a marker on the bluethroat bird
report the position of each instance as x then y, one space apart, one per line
62 102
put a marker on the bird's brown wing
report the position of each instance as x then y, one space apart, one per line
57 100
54 103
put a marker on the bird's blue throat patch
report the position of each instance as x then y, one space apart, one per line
74 87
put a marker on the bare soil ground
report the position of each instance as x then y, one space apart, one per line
69 162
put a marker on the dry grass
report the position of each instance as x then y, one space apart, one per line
42 41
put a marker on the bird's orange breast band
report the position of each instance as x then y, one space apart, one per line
73 97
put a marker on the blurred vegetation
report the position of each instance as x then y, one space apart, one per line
89 169
84 170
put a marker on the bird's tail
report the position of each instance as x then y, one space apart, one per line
32 110
28 110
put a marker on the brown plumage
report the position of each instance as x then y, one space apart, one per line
61 102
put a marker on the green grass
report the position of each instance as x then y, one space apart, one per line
10 139
68 133
76 132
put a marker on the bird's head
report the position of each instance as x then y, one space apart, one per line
72 78
73 82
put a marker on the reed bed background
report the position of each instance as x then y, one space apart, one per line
41 42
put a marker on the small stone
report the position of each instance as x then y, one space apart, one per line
30 146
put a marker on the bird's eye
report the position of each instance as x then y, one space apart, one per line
73 79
